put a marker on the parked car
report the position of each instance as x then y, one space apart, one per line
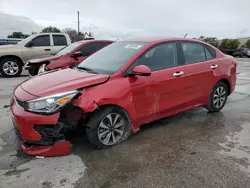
14 57
241 52
67 57
248 53
5 41
118 89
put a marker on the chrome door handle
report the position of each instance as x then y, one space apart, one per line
178 73
214 66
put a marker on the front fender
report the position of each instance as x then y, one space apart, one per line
89 105
85 104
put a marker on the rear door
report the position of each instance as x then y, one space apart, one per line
199 66
58 42
163 90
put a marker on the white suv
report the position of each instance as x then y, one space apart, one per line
13 57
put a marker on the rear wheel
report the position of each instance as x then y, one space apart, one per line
10 67
218 97
108 127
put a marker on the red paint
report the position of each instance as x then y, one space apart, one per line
60 81
58 149
64 61
144 98
142 70
25 121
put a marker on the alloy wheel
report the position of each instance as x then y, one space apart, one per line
111 129
219 97
10 68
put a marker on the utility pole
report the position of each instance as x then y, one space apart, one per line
78 22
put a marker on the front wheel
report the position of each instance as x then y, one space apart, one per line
10 67
108 127
33 71
218 97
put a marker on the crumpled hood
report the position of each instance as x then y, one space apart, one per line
61 81
44 58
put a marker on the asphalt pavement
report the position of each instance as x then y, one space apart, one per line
191 149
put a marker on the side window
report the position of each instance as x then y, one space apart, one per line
89 49
211 51
193 52
43 40
160 57
208 54
59 40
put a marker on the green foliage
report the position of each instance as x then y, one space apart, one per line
18 35
212 40
247 44
230 44
201 38
51 29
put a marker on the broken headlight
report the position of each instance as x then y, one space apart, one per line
50 104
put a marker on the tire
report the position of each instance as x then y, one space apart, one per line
10 67
33 71
220 90
96 133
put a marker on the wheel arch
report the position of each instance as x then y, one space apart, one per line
119 107
226 81
12 56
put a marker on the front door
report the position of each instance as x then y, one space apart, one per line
163 91
41 47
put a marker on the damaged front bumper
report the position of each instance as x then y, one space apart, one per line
39 135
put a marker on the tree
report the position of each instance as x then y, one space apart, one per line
18 35
247 44
51 29
201 38
71 32
212 40
231 44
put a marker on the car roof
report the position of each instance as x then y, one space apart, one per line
94 40
159 39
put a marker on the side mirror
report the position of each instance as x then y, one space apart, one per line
141 70
76 54
29 44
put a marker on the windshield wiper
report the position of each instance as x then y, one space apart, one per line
88 70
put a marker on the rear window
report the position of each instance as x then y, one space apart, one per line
59 40
211 51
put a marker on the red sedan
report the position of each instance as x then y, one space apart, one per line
67 57
118 89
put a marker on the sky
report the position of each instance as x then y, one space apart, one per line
125 18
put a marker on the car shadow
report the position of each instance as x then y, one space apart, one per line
14 77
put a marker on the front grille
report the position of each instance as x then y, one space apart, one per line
20 103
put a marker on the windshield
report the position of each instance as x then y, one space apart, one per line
69 48
111 58
26 40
